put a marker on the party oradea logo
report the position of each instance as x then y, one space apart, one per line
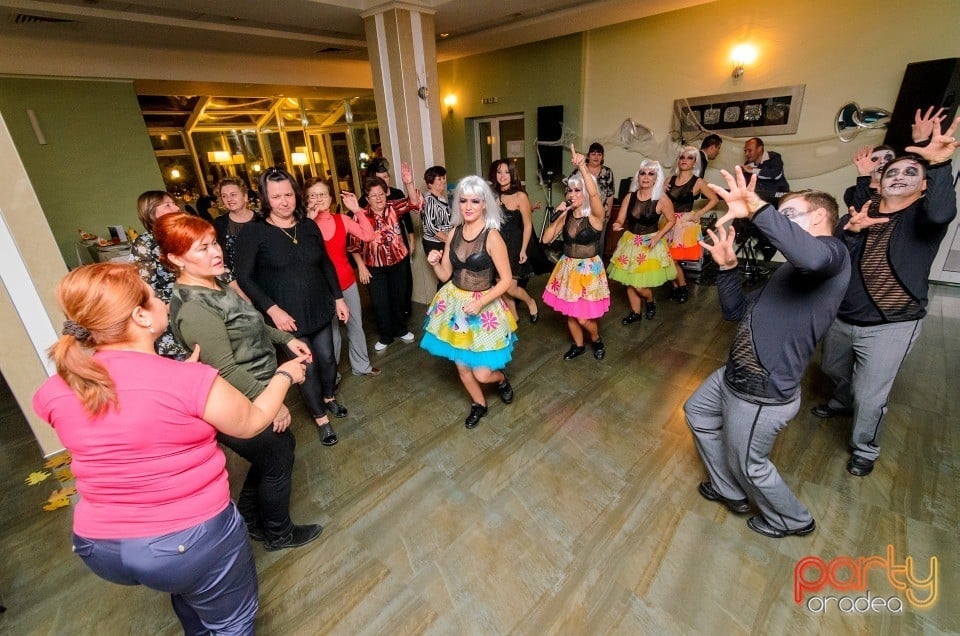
849 577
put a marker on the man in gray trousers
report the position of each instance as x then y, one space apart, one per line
892 241
737 413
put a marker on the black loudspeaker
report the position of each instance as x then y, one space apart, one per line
933 83
550 128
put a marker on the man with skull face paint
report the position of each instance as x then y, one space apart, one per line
870 163
892 242
737 413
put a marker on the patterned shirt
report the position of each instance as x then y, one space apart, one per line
387 247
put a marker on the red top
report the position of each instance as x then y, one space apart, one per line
150 467
335 228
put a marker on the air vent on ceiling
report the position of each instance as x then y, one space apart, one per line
26 18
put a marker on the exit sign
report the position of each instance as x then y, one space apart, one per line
489 100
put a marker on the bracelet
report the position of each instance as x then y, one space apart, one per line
286 375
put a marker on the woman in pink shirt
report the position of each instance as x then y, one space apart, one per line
336 228
155 505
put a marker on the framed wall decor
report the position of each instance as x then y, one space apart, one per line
771 111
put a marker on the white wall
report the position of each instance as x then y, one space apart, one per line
849 50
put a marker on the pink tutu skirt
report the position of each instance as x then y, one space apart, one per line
578 288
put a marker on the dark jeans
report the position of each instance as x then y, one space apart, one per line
322 372
387 287
264 500
208 570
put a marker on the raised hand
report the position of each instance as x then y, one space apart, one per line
576 157
941 146
922 127
863 161
742 201
861 220
350 201
406 173
721 246
434 257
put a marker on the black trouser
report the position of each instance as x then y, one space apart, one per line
387 286
322 372
429 246
264 500
406 300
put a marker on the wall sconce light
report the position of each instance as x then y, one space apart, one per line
256 167
222 156
741 55
174 174
450 101
298 158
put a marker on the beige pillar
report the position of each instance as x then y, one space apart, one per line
30 268
403 57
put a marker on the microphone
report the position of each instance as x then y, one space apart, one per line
556 213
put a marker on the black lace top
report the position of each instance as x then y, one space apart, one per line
642 217
473 268
580 239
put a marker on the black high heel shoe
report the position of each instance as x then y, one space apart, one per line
574 351
651 310
336 409
631 318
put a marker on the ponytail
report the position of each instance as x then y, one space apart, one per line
99 301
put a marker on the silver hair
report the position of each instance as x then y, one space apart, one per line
577 180
657 185
688 150
471 186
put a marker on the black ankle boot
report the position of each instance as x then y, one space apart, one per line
630 318
573 352
505 390
651 310
681 296
598 349
476 412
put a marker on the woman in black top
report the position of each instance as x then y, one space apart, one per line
468 322
642 260
578 285
517 228
683 189
282 265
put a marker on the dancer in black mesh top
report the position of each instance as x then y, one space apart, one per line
892 240
737 413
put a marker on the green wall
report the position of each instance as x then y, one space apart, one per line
522 78
97 159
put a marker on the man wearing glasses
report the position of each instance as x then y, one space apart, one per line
737 413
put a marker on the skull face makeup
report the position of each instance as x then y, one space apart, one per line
902 178
880 158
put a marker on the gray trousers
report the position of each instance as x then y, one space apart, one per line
863 362
734 438
359 358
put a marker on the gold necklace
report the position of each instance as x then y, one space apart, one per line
289 236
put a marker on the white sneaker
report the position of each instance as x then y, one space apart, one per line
408 337
380 346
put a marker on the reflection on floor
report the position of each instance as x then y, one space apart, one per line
574 510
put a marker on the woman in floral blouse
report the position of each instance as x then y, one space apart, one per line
152 205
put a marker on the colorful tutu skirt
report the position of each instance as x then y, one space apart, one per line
636 263
481 340
684 237
578 288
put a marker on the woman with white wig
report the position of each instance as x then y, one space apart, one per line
642 260
578 286
468 321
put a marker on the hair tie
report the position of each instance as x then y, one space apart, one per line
71 328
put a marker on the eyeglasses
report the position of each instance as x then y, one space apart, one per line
316 196
647 173
793 213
